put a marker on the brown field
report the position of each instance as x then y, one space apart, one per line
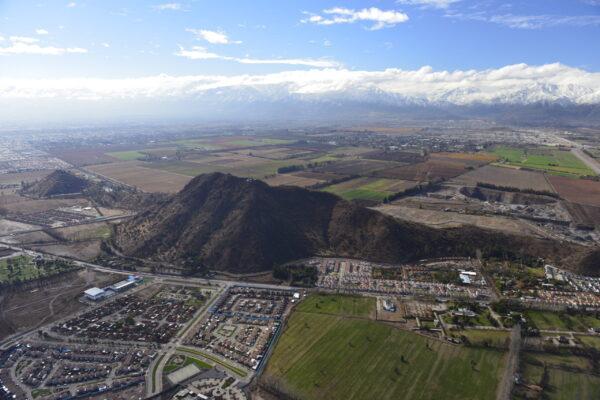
27 309
505 177
355 167
426 171
576 190
317 175
275 153
11 179
399 156
31 206
81 158
583 214
291 180
485 158
146 179
441 219
383 129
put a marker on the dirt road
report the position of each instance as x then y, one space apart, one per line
512 364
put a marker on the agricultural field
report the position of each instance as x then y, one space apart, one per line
17 178
501 176
561 321
430 170
135 174
368 188
482 158
137 154
590 341
551 160
86 157
577 190
398 156
354 166
322 356
291 180
339 305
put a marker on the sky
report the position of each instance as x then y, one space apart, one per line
90 49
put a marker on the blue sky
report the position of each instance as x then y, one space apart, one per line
124 39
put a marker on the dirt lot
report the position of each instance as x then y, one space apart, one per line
505 177
30 308
318 176
32 206
583 214
146 179
80 250
441 219
426 171
399 156
8 226
291 180
576 190
355 167
10 179
81 158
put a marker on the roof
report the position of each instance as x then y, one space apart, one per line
123 284
93 292
465 278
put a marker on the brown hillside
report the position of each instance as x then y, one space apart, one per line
241 225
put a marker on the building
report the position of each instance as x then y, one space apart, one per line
388 305
95 294
122 285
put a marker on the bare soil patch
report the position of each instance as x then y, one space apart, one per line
429 170
149 180
577 190
501 176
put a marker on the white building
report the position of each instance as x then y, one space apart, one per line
94 294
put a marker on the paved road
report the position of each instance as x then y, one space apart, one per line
587 160
512 365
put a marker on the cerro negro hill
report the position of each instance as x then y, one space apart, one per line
242 225
59 182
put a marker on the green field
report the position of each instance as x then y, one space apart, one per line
340 305
188 360
590 341
365 188
553 161
214 359
561 321
483 338
22 269
322 356
566 385
135 154
558 360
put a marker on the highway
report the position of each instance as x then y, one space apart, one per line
587 160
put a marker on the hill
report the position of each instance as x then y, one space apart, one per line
102 194
59 182
242 225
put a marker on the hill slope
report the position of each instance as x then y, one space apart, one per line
240 225
57 183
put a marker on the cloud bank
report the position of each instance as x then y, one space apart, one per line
513 84
339 15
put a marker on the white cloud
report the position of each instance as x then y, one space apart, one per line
518 83
169 6
200 53
428 3
530 21
338 15
23 39
27 45
104 44
71 4
41 31
213 37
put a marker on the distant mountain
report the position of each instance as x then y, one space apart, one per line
241 225
57 183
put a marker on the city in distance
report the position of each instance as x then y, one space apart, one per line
220 202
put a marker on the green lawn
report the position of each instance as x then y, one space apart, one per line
590 341
22 269
555 161
364 188
341 305
565 385
215 359
323 356
135 154
558 360
552 320
484 338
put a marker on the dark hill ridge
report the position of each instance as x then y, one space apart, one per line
102 194
244 225
59 182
